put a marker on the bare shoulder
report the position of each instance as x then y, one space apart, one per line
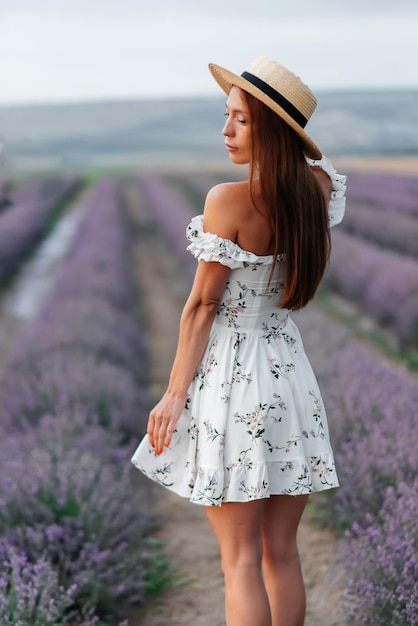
324 181
231 193
224 208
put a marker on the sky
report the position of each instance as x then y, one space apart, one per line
78 50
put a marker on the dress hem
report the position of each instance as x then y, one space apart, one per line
213 487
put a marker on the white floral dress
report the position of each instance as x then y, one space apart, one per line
254 424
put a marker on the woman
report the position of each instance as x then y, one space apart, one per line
241 428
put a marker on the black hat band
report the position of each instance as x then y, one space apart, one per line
287 106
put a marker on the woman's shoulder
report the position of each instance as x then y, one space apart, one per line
233 198
228 192
225 207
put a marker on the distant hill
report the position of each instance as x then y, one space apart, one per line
188 130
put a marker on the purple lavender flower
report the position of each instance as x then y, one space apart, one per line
383 561
63 382
381 281
384 192
66 496
30 593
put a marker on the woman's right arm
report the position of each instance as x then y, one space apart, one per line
195 325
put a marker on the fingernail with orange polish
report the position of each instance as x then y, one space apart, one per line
159 451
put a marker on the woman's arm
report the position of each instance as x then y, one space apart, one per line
195 325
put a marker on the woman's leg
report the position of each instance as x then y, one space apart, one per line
238 528
281 564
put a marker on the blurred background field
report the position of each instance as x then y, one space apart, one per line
154 133
95 196
82 355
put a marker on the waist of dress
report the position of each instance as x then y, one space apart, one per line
270 321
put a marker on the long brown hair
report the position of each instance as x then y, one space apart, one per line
298 211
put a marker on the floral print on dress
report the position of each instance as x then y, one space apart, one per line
254 424
238 375
204 371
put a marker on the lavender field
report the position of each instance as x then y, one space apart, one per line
75 391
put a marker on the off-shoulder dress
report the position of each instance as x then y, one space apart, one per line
254 424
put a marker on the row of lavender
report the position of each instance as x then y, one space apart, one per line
375 260
372 406
72 515
386 229
382 282
27 215
385 192
383 209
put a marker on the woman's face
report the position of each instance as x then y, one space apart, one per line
237 129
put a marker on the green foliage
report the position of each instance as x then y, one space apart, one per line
160 570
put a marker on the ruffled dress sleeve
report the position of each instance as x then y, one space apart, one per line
210 247
337 202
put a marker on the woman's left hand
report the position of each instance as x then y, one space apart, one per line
163 419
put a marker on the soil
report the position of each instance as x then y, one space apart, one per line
196 596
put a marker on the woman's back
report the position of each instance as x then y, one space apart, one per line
251 215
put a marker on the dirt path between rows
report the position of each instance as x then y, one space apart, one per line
196 597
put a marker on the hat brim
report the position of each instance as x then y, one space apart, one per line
226 80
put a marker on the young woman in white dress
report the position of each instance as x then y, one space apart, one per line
241 428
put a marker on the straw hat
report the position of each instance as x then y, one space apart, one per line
279 89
